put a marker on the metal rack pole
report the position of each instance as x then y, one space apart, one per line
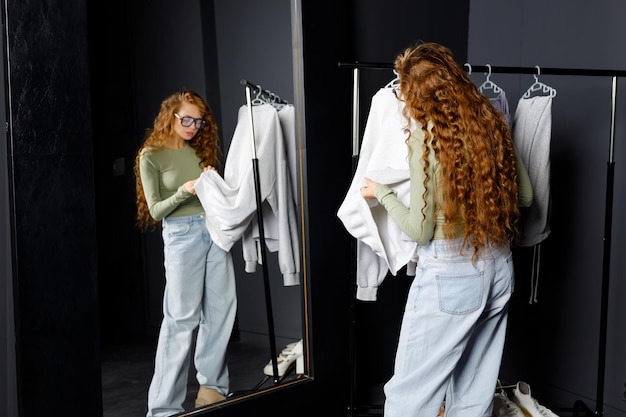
259 211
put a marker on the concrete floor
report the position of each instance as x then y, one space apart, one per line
127 371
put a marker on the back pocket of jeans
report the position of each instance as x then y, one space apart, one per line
460 294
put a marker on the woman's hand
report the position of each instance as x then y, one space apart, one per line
190 186
367 191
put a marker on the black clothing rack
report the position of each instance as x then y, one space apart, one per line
271 98
579 405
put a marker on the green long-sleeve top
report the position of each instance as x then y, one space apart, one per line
163 173
428 225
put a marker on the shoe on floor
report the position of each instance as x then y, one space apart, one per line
504 407
286 359
208 396
530 406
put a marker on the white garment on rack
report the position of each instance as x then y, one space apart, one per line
501 103
287 117
230 202
532 133
381 246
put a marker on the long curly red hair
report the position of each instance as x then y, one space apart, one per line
205 143
471 141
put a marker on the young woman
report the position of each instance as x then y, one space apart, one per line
200 284
463 213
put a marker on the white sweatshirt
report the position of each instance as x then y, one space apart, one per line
381 245
532 132
287 117
230 202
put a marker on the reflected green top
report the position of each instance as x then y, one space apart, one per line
163 173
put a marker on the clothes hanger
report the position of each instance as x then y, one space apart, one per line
274 100
488 84
258 100
393 83
267 97
538 86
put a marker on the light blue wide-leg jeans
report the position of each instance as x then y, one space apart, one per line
452 333
199 292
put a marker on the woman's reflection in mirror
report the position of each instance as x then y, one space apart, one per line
200 282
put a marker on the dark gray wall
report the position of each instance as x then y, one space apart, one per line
121 287
52 250
554 344
8 377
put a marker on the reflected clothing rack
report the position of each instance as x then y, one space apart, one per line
273 99
579 405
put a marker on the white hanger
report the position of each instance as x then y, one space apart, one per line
275 101
393 83
258 100
488 84
538 86
267 97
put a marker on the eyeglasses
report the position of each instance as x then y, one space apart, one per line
187 121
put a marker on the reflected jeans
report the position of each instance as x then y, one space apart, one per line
199 293
452 333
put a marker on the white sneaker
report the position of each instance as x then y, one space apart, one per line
530 406
286 359
504 407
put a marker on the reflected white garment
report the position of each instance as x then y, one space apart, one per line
230 202
287 117
381 246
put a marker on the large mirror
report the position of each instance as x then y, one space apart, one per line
210 47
